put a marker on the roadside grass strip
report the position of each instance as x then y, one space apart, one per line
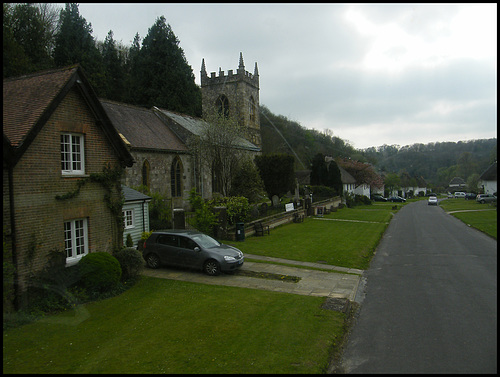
353 221
473 214
471 210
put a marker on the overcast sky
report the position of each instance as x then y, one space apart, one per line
373 74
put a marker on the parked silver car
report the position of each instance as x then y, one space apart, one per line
190 248
486 198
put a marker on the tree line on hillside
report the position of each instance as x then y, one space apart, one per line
150 72
438 163
281 135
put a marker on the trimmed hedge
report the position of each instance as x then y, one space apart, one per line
100 272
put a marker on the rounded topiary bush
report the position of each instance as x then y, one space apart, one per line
100 272
131 262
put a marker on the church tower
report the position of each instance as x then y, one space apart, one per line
233 95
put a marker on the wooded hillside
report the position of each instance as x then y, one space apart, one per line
437 163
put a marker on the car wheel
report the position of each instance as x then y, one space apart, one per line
211 267
153 261
482 202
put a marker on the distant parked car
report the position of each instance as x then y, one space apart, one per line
433 201
450 195
459 194
193 249
486 198
396 199
379 198
470 196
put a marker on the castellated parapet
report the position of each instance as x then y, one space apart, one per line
221 79
239 91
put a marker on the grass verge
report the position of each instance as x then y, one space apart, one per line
168 326
480 216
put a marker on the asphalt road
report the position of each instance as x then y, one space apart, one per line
429 304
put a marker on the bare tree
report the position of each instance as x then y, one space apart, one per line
219 148
49 14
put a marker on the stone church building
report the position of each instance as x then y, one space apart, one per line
158 139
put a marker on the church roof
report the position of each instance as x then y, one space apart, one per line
185 126
141 128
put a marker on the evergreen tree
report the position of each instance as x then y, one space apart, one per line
162 73
277 173
114 72
334 178
325 173
319 172
74 44
247 182
132 65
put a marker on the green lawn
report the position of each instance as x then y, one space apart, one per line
341 243
167 326
485 221
462 204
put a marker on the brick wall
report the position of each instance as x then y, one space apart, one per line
37 180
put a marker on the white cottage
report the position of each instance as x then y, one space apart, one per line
135 214
488 180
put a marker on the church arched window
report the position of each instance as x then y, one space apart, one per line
222 105
145 173
251 109
175 178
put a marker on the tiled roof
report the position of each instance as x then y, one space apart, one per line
141 128
490 174
133 195
457 181
345 176
26 98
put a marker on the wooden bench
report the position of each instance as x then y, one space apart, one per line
260 229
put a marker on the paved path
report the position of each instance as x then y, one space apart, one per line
341 282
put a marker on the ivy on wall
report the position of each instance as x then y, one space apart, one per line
110 180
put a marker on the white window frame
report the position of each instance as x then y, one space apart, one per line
76 240
72 154
128 220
